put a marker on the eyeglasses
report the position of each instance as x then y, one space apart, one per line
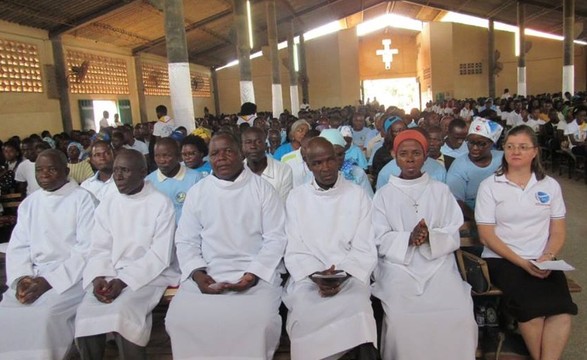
521 147
479 144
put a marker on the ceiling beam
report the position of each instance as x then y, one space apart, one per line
84 20
288 18
500 8
190 27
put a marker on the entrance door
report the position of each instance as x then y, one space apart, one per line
401 92
104 105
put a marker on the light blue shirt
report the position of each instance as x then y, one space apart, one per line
455 153
282 150
463 177
431 167
175 188
205 169
356 156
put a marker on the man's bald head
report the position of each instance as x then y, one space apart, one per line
130 169
321 160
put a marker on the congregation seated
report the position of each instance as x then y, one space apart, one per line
255 219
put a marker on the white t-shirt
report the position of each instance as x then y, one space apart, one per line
521 216
514 119
25 172
139 146
574 130
164 127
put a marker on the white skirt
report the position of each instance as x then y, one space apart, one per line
228 326
437 323
129 314
41 330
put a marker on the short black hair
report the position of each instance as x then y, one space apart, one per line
196 141
456 123
161 109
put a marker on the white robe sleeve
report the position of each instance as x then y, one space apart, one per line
286 182
100 256
18 254
69 272
362 257
188 239
299 259
158 257
274 241
444 237
392 244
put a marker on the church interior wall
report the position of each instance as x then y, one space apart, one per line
229 88
404 63
350 84
25 113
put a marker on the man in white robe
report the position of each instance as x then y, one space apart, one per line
230 241
129 261
428 307
279 175
327 319
44 264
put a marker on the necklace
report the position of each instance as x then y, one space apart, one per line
414 201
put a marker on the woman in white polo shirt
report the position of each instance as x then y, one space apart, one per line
520 214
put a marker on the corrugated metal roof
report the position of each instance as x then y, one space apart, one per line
139 24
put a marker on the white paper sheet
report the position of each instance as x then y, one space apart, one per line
553 265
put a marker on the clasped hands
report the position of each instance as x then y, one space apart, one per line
328 286
107 291
208 285
29 289
419 235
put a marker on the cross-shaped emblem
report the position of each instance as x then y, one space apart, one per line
387 53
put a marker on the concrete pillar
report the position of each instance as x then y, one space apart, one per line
276 92
293 74
303 69
522 45
243 49
568 46
180 84
214 76
491 58
62 84
141 89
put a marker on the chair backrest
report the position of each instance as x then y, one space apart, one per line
10 203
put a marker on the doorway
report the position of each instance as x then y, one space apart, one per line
104 105
401 92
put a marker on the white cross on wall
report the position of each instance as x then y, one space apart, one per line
387 53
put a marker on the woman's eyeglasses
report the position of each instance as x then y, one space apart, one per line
521 147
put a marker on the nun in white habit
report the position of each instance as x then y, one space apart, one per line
416 220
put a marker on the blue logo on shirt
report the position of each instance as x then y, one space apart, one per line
180 197
543 197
